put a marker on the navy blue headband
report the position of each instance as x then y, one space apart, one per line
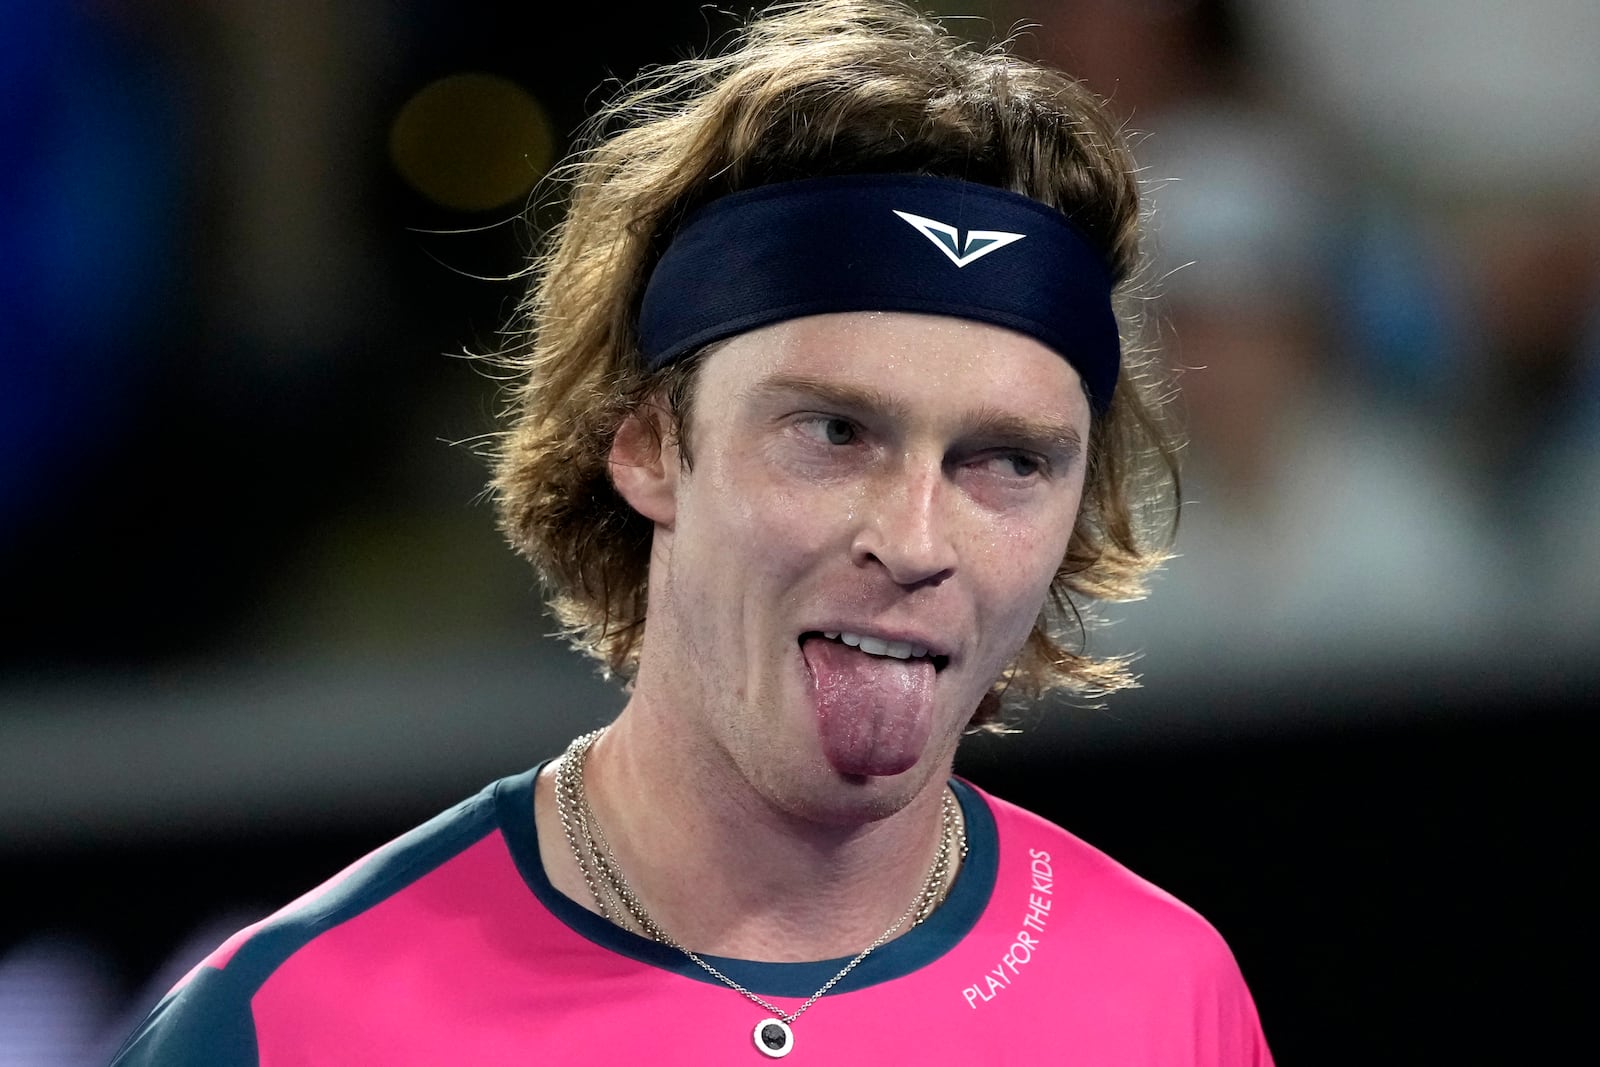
884 242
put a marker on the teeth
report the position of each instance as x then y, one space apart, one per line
874 646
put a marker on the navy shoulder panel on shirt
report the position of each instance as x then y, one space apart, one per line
207 1019
205 1023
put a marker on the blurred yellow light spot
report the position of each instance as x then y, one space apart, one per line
472 142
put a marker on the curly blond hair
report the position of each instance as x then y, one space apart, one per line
809 89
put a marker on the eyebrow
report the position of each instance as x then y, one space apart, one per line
831 394
1047 436
1056 439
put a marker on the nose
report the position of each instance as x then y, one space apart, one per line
903 527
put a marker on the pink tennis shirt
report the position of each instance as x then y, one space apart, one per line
449 946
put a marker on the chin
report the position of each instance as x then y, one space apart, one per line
853 799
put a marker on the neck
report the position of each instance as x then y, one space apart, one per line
727 872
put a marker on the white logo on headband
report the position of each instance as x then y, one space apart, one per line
947 239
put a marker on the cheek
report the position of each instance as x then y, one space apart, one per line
1019 563
794 508
749 519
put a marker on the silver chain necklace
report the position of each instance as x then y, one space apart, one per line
618 902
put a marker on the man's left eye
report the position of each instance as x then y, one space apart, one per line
1019 464
838 431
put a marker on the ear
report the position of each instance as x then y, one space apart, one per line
645 465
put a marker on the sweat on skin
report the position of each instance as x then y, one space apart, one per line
891 475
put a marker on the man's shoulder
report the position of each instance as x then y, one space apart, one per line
1139 964
1101 893
207 1016
376 877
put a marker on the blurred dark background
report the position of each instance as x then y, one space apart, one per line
257 618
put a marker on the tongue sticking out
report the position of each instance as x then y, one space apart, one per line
874 713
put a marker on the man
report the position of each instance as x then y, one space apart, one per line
826 432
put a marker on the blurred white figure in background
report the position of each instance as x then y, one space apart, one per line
55 1004
1321 519
1481 118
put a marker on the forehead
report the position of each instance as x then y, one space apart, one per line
929 365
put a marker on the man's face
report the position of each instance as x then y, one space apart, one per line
877 505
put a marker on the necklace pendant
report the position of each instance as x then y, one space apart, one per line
773 1038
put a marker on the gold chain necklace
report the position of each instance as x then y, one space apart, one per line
618 902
